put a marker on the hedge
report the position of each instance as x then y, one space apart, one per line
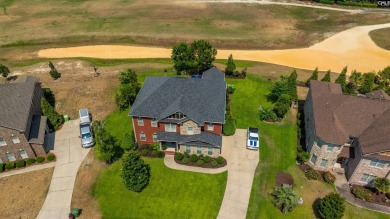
10 165
20 163
40 159
362 194
31 161
55 119
360 4
2 167
229 128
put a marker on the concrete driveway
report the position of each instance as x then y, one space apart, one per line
242 164
70 154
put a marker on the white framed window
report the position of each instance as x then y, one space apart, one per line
190 130
377 163
10 156
154 122
330 148
2 142
142 136
210 151
199 150
313 159
323 163
210 127
140 121
367 178
170 127
154 137
15 139
23 154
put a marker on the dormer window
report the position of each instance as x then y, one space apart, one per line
177 115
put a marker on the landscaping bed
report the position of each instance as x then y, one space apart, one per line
200 161
14 165
150 151
284 179
374 196
312 174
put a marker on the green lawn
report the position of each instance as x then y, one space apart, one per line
171 194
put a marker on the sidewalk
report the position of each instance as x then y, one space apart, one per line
28 169
170 162
342 187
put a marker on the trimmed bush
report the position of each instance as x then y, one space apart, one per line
200 162
151 147
229 128
194 158
135 172
164 146
388 195
154 153
144 152
40 159
331 206
207 159
186 160
55 119
20 163
300 149
179 156
220 159
2 167
51 157
161 154
214 163
362 194
329 177
186 155
31 161
201 156
303 156
10 165
313 174
382 185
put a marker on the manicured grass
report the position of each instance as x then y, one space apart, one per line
118 124
381 37
171 194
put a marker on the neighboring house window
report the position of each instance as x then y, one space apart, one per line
170 127
154 123
23 154
190 130
330 148
198 150
10 156
154 137
188 149
210 151
313 159
140 121
323 163
142 136
366 178
2 142
210 127
377 163
15 139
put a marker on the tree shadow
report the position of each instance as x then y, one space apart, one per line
315 207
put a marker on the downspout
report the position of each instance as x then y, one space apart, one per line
135 135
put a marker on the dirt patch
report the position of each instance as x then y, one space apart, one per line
23 195
284 179
86 177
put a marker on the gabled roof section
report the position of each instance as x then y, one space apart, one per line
207 138
213 74
201 100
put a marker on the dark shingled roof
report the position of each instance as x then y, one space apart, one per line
204 138
37 131
338 117
15 103
201 100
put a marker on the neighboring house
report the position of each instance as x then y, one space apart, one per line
22 128
185 114
348 133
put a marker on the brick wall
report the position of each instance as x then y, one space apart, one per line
14 148
217 128
146 128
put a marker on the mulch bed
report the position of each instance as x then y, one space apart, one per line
205 165
305 167
378 198
284 178
160 154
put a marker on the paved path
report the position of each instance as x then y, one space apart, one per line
342 187
170 162
28 169
70 154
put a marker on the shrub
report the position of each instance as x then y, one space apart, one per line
362 194
161 154
207 159
164 146
151 147
382 185
300 149
31 161
186 155
266 114
388 195
329 177
40 159
154 153
313 174
179 156
55 119
186 160
51 157
194 158
214 163
331 206
329 2
200 162
220 159
229 128
303 156
231 88
144 152
135 172
20 163
10 165
201 156
2 167
128 141
285 198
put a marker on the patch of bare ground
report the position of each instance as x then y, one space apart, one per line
22 195
82 193
381 38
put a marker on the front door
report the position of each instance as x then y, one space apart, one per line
171 144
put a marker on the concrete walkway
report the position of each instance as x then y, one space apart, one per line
342 187
28 169
70 154
170 162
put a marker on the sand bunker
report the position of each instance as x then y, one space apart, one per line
353 48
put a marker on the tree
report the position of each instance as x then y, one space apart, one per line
280 87
382 185
384 76
4 71
128 76
55 119
356 78
230 66
331 206
53 72
182 58
127 91
314 76
368 83
282 105
342 79
286 198
292 84
326 77
135 173
107 147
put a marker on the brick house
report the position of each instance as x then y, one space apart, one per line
185 114
348 134
22 128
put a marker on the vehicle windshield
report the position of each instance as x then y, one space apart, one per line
253 138
86 135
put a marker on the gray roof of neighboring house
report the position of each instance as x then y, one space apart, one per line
15 103
204 137
337 117
37 131
201 100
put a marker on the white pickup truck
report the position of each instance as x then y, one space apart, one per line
253 139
